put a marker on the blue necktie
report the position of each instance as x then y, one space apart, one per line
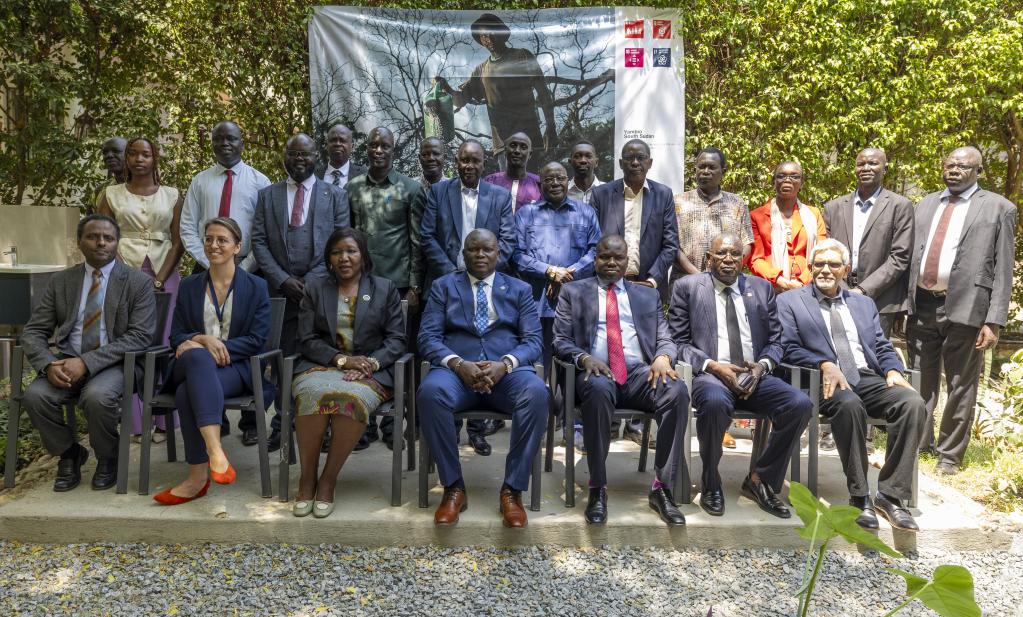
482 309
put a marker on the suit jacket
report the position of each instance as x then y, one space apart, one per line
692 317
658 227
353 171
981 281
886 245
448 324
250 322
804 335
442 224
379 330
129 312
328 210
575 323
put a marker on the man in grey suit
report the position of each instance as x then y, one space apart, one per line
339 169
294 218
960 281
94 312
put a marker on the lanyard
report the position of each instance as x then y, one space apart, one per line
219 310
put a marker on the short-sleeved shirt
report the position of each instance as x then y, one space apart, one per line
524 191
701 220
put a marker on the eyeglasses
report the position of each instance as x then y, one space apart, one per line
959 166
217 240
834 265
723 254
553 180
638 158
794 177
298 154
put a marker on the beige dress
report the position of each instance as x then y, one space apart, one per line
145 222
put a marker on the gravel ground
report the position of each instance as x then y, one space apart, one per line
137 579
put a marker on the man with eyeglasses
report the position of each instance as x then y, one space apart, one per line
294 218
960 282
838 332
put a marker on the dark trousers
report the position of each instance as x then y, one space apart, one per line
599 396
788 409
200 389
520 393
99 396
903 410
935 343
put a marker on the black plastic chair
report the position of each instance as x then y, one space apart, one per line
250 402
129 365
426 462
683 483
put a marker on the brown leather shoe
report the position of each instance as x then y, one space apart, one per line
511 508
451 505
728 441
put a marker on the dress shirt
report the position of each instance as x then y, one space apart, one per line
328 174
213 326
488 289
630 340
308 183
202 203
850 327
861 212
75 337
578 194
633 222
950 246
700 220
525 190
470 204
722 318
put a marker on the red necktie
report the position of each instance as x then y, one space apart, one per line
615 351
930 273
225 196
299 205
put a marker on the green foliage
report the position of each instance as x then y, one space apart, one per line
948 593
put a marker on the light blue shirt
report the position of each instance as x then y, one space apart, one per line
75 337
202 203
630 341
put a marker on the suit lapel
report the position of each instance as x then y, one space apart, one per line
591 307
499 294
883 201
640 320
616 211
239 303
974 211
644 212
281 211
864 326
482 205
466 293
454 190
814 309
73 294
845 217
361 309
113 297
749 302
707 306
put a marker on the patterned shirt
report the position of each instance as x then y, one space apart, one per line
389 213
699 221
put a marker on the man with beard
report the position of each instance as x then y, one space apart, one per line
523 185
339 170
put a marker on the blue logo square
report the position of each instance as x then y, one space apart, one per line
662 57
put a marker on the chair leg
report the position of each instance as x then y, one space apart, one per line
644 449
283 468
172 442
534 482
264 453
424 474
147 423
123 438
569 406
411 429
13 419
548 465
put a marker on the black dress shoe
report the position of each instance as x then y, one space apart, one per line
765 498
480 445
713 502
69 471
273 442
389 442
660 501
891 509
250 437
105 475
596 509
867 518
946 468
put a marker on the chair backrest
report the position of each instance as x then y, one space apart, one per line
276 324
163 308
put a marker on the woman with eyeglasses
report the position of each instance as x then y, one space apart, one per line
222 317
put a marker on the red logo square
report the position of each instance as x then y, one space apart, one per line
662 29
634 29
634 56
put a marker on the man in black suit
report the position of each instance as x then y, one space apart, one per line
339 169
614 331
726 326
960 282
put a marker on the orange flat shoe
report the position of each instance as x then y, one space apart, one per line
224 477
169 499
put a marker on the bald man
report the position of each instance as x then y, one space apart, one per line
523 185
960 281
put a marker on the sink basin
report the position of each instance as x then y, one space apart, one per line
29 268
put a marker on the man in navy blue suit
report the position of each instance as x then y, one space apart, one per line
615 332
643 212
454 208
481 333
839 332
726 326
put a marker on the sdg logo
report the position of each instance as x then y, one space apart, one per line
662 57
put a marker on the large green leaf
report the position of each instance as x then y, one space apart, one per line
833 520
949 594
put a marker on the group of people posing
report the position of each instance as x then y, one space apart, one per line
493 275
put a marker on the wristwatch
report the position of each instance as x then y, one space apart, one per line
341 362
507 365
158 283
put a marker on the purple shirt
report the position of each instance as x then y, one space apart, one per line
528 188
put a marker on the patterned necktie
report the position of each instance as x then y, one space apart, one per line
337 177
930 272
225 196
93 314
482 307
299 205
615 350
732 322
839 336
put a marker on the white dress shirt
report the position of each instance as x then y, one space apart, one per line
745 335
861 212
308 183
850 332
488 290
213 326
470 205
630 341
578 194
202 203
328 174
75 338
950 246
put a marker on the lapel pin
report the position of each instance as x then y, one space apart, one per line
503 287
365 297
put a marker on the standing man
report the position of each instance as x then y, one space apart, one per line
432 158
614 331
877 226
112 153
293 220
94 313
388 208
839 332
523 185
229 188
583 161
960 283
339 169
726 326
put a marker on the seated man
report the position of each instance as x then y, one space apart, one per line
481 333
615 331
839 332
726 326
94 312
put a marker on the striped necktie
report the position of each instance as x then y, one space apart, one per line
93 314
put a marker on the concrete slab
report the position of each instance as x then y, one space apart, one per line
364 516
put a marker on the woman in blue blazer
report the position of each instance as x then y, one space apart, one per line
222 317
